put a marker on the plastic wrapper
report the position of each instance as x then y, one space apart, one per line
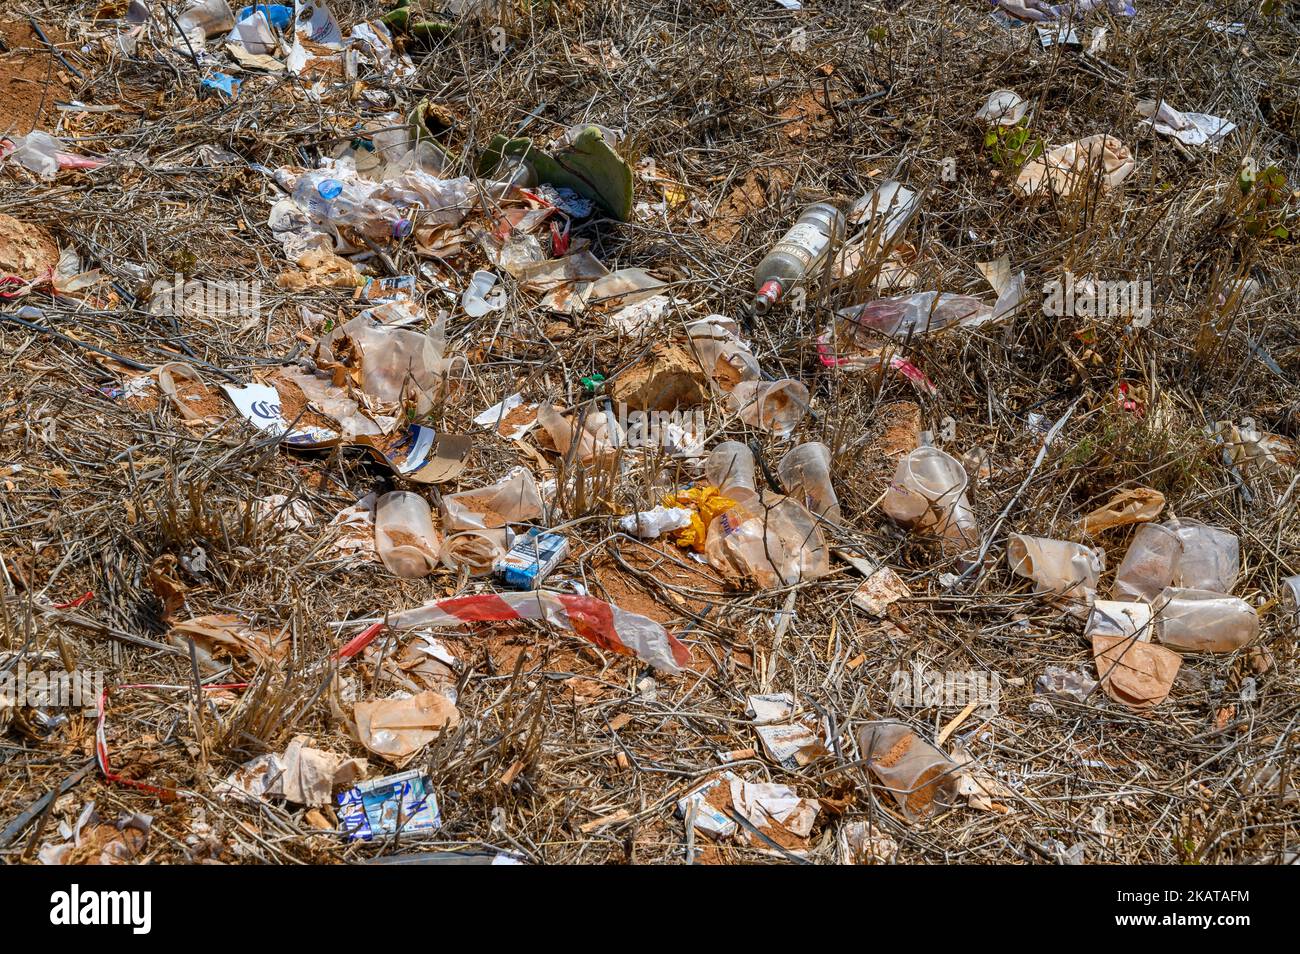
1211 558
805 472
1192 129
774 406
774 541
928 495
1068 570
921 777
605 625
512 499
1149 565
387 807
405 537
1203 621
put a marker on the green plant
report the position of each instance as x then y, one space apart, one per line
1012 146
1265 214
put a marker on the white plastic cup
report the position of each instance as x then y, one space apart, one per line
405 537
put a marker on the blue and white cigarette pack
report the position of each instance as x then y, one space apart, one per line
379 806
533 557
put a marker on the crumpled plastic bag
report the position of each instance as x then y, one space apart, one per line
512 499
397 728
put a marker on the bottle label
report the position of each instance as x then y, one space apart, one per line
805 242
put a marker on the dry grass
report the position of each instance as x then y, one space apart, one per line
563 755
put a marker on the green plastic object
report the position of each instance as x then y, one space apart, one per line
589 167
592 383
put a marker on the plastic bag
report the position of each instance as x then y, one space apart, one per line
1074 166
512 499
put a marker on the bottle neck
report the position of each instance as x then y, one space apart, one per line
767 295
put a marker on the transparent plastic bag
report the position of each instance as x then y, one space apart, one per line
805 472
730 468
1068 570
1211 557
512 499
921 777
1149 565
397 362
774 541
38 152
1203 621
775 406
405 537
928 495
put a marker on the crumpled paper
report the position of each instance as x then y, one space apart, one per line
1193 129
302 775
1069 168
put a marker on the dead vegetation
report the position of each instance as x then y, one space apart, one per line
566 753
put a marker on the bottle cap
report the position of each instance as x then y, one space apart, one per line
401 228
329 188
